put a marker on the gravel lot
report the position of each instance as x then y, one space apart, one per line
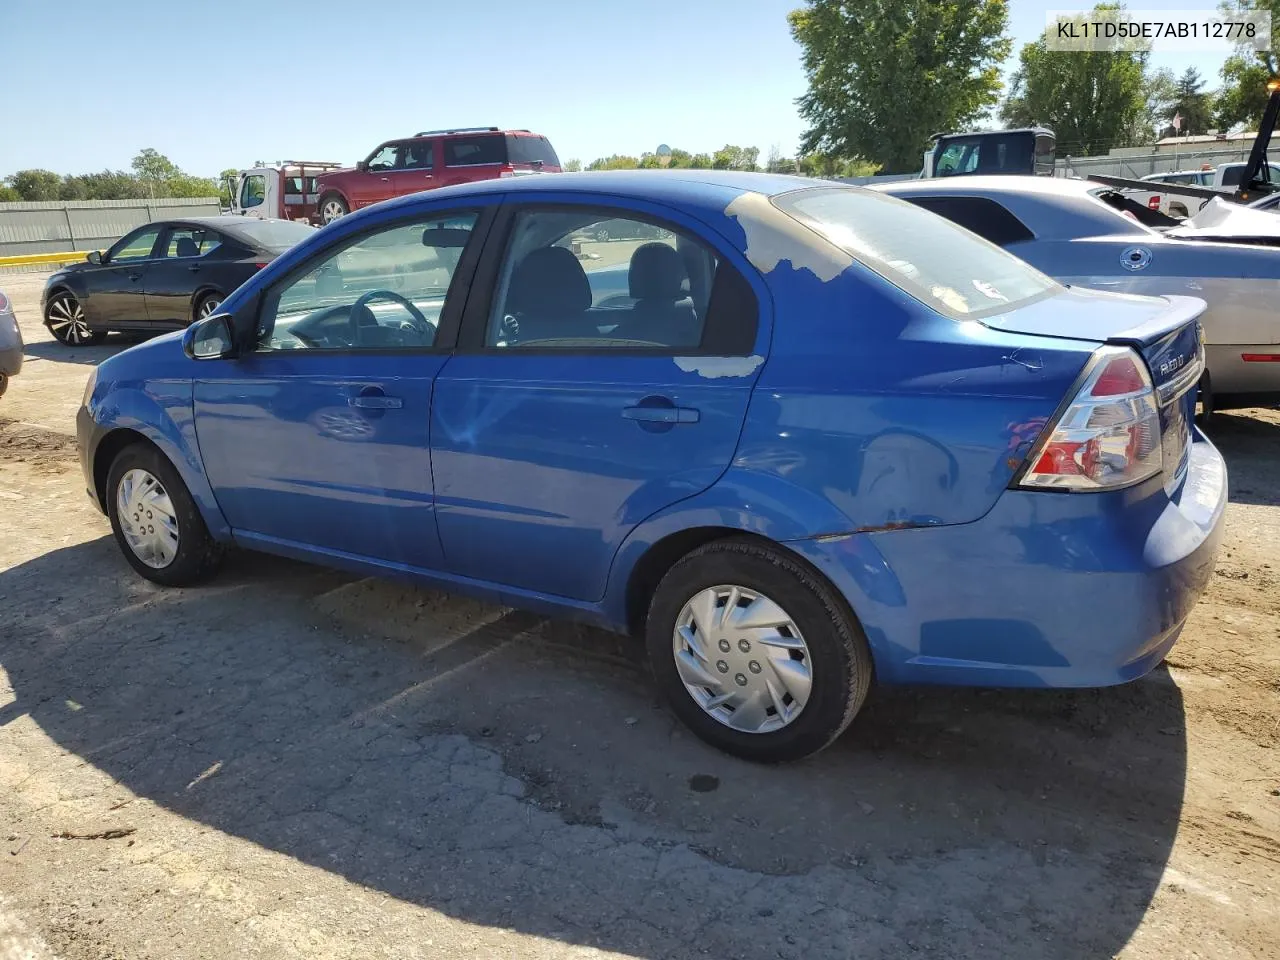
293 763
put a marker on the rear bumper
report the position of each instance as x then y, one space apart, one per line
1230 373
11 360
1047 590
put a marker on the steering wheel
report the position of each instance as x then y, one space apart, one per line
420 322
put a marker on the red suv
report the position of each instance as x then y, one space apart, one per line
433 158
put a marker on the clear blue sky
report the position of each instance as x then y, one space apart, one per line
85 84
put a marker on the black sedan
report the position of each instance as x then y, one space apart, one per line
162 276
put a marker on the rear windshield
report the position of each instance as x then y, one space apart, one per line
275 235
943 265
531 150
468 151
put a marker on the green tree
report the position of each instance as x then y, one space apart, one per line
1191 103
885 74
36 185
614 162
154 167
1092 100
8 194
825 165
573 165
730 157
1244 93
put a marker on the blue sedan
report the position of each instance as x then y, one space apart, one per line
799 436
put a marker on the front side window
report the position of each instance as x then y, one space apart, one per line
385 291
191 242
590 279
385 158
136 246
469 151
254 191
949 269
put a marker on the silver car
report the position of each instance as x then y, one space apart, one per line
1085 234
10 343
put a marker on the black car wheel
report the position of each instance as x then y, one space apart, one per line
756 653
155 520
206 306
65 319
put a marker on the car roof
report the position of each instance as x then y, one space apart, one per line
985 186
699 188
231 224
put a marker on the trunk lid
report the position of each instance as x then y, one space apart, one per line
1164 330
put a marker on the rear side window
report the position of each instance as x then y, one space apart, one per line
531 150
1231 176
984 217
949 269
469 151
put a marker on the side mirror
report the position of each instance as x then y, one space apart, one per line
362 165
94 256
212 338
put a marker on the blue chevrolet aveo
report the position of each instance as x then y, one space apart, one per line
798 435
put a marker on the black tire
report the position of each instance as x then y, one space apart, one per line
1204 403
339 203
206 305
4 383
198 555
841 660
65 320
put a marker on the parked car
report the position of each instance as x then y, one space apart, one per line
622 229
162 275
1077 231
431 159
285 191
10 343
1224 178
824 438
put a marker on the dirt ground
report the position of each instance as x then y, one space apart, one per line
292 763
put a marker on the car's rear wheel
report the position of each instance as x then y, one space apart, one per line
756 653
602 233
156 521
206 306
332 207
1204 402
66 321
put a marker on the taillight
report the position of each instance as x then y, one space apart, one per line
4 303
507 170
1153 203
1109 437
259 265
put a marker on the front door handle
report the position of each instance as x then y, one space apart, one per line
375 401
135 276
664 414
194 268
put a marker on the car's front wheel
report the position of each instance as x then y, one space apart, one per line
156 521
332 207
755 653
65 319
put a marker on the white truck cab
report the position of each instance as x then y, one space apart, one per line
285 191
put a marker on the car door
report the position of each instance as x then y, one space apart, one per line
318 440
416 170
179 267
571 413
373 184
116 291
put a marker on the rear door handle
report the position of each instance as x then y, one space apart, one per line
375 401
661 414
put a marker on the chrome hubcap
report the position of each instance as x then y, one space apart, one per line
207 308
331 211
147 518
742 659
66 320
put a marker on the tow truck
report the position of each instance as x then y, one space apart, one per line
1255 179
283 191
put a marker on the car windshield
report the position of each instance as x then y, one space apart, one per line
939 263
275 235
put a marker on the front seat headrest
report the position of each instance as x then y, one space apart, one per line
547 281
